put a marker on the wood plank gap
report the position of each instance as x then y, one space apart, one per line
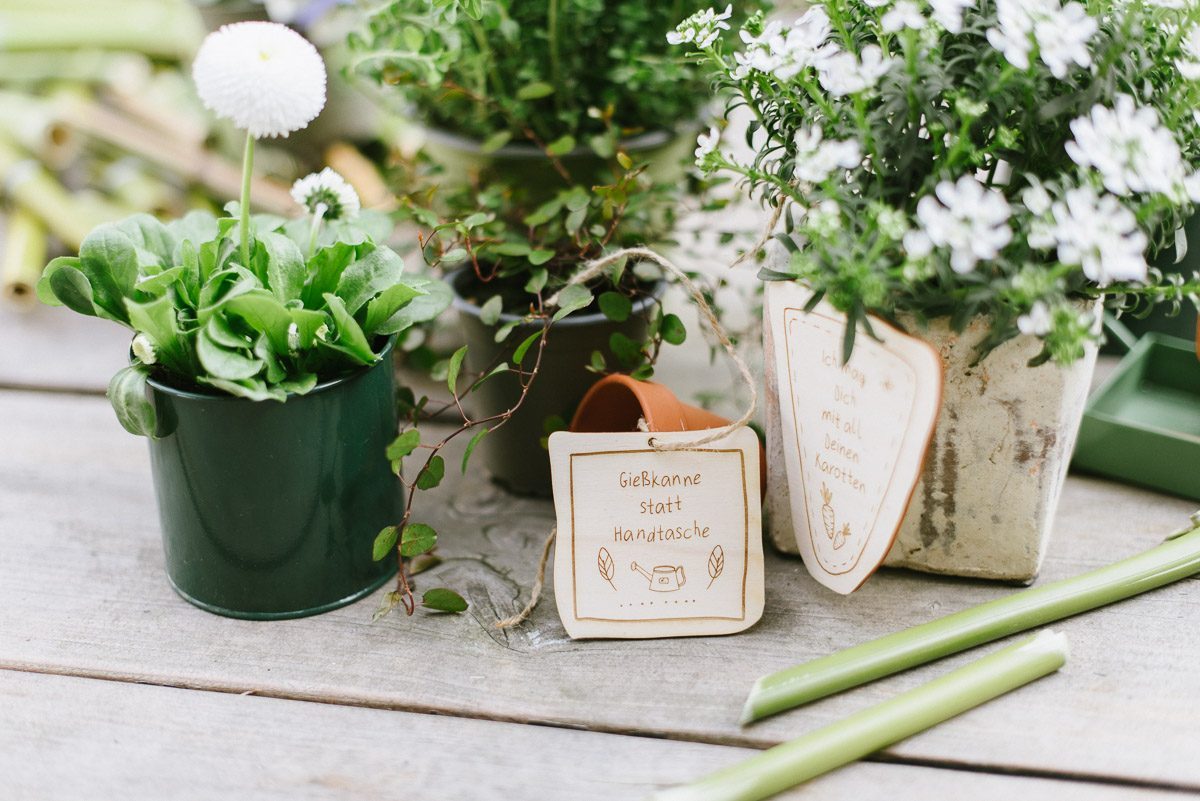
732 742
92 392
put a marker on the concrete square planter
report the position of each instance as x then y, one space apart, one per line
985 503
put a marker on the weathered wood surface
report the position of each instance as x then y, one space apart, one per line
82 592
55 348
70 738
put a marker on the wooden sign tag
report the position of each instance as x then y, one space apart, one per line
854 435
657 543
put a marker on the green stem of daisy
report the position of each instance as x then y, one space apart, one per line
315 230
247 174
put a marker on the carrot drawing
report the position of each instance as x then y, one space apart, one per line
827 511
842 536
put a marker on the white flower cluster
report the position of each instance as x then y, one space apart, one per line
842 74
1132 151
702 28
1092 231
784 53
1189 67
707 143
1060 32
966 217
817 157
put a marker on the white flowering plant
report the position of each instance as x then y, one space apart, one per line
956 158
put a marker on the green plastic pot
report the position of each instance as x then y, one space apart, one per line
269 510
515 453
1142 426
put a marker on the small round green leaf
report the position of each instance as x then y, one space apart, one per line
416 539
385 541
443 600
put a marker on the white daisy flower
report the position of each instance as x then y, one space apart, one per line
966 217
293 337
842 74
265 77
702 28
1130 148
1037 322
949 13
816 158
327 195
322 332
1098 233
905 14
143 349
707 143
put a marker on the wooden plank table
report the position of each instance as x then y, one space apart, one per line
111 686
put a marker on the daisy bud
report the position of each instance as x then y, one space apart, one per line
143 349
330 190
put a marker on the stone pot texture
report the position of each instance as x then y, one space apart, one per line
984 506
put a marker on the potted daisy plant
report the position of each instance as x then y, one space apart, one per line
983 175
260 359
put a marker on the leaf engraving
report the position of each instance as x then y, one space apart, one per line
716 564
604 562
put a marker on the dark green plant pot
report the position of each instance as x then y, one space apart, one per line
514 453
268 509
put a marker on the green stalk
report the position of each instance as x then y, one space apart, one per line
877 727
247 175
1177 558
164 29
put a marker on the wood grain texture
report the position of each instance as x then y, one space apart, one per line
55 348
82 591
140 742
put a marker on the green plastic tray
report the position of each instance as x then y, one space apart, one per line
1143 424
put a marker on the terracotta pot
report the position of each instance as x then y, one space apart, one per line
617 402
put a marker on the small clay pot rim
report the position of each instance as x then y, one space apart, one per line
658 405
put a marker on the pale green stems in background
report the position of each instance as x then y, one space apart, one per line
1177 558
877 727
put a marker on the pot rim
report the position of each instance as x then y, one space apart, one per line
527 151
323 386
465 306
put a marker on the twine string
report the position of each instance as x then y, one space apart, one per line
594 269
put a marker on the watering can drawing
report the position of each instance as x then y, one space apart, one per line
664 578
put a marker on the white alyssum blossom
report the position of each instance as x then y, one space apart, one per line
905 14
949 13
817 157
1095 232
1035 197
1189 66
143 349
707 143
264 77
1037 321
966 217
1132 151
702 28
842 74
326 194
1061 33
785 53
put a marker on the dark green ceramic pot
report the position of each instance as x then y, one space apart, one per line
514 453
269 509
